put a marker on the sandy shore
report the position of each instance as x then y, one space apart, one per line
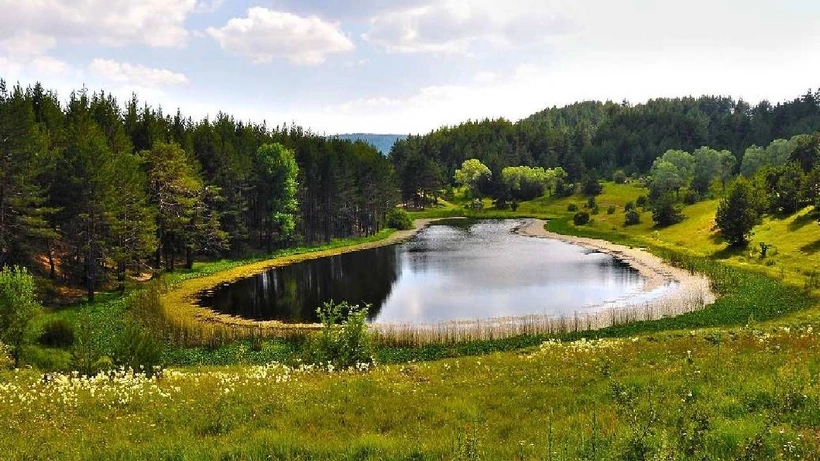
657 272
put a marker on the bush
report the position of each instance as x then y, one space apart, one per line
592 186
629 207
57 333
140 347
632 218
591 203
399 219
344 341
5 357
572 207
642 201
476 205
611 209
691 198
580 218
619 177
666 212
18 307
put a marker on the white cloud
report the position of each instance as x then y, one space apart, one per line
265 34
27 52
158 23
126 73
455 26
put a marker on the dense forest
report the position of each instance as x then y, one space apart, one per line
90 189
601 138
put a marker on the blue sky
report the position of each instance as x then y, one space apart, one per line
409 66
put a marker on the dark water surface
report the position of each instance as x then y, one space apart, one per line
455 271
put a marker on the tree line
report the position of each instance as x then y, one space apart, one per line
596 138
90 189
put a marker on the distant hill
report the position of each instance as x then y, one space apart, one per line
382 142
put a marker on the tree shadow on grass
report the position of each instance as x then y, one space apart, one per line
811 248
729 251
801 221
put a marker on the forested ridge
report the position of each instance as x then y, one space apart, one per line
90 188
600 138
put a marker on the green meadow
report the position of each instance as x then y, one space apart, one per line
737 380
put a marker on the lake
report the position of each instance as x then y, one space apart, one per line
452 270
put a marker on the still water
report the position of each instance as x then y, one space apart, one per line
458 270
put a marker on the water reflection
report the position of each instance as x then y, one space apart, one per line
448 272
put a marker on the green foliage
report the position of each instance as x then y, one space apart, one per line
399 219
18 307
619 177
632 218
278 186
472 174
592 186
57 333
527 183
629 206
642 201
738 212
343 341
572 207
141 344
665 211
611 209
580 218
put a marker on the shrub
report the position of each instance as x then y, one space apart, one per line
595 210
18 307
476 205
666 212
5 357
57 333
580 218
140 346
399 219
691 198
592 186
572 207
591 203
344 341
737 213
642 201
86 357
632 218
629 206
619 177
611 209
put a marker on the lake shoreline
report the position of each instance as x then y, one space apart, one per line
655 270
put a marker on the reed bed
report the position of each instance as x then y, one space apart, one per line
681 300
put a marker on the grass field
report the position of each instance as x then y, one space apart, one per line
738 380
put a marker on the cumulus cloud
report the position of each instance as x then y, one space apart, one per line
27 51
264 35
126 73
158 23
454 26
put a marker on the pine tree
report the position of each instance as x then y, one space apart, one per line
739 212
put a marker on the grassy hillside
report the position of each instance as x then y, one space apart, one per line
719 384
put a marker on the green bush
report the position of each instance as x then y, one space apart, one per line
642 201
691 197
619 177
18 307
572 207
5 357
141 346
611 209
632 218
580 218
399 219
57 333
344 341
629 206
591 203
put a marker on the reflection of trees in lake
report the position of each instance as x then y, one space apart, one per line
293 293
